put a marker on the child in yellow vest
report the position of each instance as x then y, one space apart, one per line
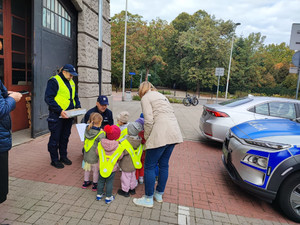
92 136
108 150
128 178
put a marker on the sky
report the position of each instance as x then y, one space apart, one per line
272 18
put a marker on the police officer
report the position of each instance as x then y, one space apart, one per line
61 96
101 107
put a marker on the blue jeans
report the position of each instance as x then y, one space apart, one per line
153 157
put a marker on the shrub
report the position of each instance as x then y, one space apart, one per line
136 98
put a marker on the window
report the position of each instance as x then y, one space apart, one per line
283 109
236 102
262 109
56 18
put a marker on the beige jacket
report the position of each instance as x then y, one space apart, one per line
160 124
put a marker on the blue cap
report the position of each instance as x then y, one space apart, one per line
71 69
103 100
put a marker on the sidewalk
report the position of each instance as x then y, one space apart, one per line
199 191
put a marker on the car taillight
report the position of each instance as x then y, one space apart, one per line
216 113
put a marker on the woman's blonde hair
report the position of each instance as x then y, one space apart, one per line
95 118
144 87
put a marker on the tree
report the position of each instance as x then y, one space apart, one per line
203 48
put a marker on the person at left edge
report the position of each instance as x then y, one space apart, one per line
61 96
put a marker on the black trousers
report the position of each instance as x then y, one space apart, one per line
58 142
3 176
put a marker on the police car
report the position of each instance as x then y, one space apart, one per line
263 157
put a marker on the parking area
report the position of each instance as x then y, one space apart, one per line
197 181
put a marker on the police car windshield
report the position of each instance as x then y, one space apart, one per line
236 102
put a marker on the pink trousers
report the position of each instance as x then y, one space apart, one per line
128 181
95 169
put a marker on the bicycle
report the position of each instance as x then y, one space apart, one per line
188 100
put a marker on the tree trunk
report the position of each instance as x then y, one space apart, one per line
147 72
198 91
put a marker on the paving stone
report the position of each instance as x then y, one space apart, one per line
204 221
110 221
133 213
125 220
73 221
54 208
25 216
155 214
74 214
114 216
146 213
148 222
89 214
34 217
98 216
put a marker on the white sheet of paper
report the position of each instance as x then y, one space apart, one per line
80 129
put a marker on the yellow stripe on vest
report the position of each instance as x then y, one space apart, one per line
88 143
134 154
124 132
107 163
62 97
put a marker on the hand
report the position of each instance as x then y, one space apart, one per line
64 115
15 95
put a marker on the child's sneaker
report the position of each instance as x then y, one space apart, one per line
141 180
94 188
144 201
108 200
86 184
158 196
99 197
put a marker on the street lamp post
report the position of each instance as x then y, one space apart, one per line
228 75
124 57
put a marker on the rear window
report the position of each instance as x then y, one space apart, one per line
236 102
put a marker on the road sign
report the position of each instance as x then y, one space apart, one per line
295 37
219 71
296 59
131 73
293 70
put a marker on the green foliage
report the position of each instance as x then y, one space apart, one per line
174 100
185 53
164 92
136 98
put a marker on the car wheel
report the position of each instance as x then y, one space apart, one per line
289 197
195 101
186 102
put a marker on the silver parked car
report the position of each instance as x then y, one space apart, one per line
216 119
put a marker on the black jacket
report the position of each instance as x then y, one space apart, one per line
107 116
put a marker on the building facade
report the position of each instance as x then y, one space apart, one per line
39 37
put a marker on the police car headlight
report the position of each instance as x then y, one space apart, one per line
256 160
267 144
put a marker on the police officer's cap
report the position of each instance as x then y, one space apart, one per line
71 69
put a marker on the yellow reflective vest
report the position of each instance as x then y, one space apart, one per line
88 143
62 97
107 162
134 154
124 132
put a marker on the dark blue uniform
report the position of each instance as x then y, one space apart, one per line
60 128
107 116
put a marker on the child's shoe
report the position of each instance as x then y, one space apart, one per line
141 180
99 197
132 192
86 184
144 201
123 193
108 200
158 196
94 188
